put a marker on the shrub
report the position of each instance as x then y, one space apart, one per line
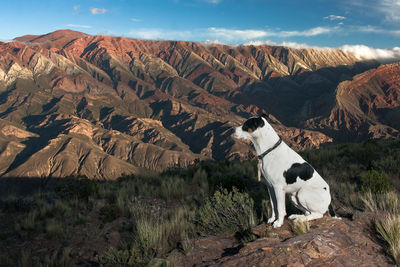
172 188
152 237
60 257
114 257
200 179
80 187
109 212
227 212
26 227
149 241
54 229
12 204
177 227
81 220
62 208
376 182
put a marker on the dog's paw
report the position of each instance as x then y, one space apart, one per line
277 224
271 219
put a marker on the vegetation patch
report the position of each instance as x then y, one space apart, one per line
300 227
376 182
389 228
227 211
169 211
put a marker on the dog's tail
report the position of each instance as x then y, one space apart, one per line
332 212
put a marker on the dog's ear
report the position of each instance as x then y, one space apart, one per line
265 116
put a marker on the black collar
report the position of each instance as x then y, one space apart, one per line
261 156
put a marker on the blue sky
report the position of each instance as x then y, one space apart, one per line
322 23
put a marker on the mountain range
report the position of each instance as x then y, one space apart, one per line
100 106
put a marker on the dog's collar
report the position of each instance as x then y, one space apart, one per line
261 156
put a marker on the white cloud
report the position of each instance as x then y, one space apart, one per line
135 20
245 35
391 9
363 52
288 44
231 35
78 26
97 11
215 35
160 34
307 33
213 1
335 17
224 35
387 10
76 7
374 29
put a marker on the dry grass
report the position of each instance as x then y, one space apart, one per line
388 202
300 227
389 228
148 239
54 229
387 205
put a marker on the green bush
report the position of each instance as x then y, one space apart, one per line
80 187
227 212
376 182
109 213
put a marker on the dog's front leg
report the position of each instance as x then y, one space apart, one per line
272 200
280 203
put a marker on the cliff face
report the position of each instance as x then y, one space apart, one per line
72 103
367 106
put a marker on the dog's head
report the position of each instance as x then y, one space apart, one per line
252 128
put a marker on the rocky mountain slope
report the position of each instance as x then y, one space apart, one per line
72 103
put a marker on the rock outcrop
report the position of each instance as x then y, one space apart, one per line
330 242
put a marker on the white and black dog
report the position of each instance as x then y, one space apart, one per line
285 171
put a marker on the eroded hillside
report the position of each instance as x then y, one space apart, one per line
72 103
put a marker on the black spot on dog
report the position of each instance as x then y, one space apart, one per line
252 124
325 188
302 170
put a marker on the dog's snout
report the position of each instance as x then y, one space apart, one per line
237 132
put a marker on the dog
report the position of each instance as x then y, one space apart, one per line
285 172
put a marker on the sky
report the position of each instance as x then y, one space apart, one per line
361 25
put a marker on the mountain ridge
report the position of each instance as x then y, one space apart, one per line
115 104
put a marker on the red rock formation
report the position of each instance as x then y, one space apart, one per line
155 104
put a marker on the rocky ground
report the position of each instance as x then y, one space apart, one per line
330 242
